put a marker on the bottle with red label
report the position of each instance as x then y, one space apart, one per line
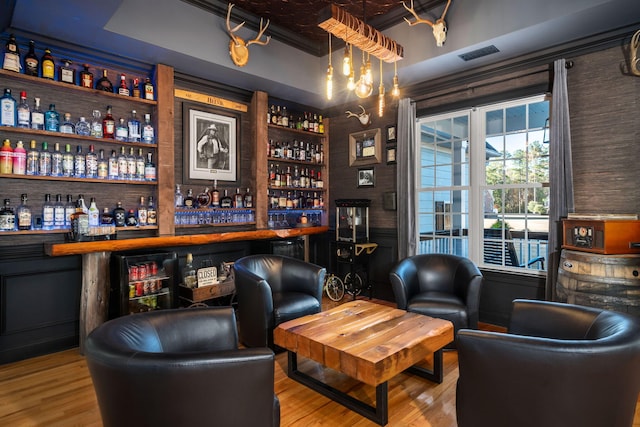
108 124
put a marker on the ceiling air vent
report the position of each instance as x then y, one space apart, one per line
478 53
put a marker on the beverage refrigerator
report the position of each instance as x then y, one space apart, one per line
143 282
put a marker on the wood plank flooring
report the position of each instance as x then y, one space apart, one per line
56 390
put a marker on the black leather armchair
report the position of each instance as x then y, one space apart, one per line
439 285
272 289
558 365
180 367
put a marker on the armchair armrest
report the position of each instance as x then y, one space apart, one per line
302 276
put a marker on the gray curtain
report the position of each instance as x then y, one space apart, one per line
560 172
406 179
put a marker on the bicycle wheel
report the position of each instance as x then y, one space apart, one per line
353 286
334 288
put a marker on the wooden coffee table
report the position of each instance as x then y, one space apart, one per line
369 342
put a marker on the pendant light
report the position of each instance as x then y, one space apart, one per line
381 94
363 87
396 88
330 74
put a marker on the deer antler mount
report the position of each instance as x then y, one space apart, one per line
364 118
439 27
238 48
634 52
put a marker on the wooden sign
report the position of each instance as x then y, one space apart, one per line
211 100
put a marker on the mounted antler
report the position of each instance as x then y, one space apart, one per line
364 117
634 48
439 27
237 46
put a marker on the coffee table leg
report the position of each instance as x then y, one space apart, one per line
434 375
379 414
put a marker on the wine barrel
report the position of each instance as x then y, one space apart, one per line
611 282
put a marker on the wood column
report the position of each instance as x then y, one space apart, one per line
165 162
94 298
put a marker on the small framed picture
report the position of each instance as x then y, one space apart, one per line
366 177
391 155
391 134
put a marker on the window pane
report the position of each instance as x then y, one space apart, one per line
427 177
516 118
494 123
538 114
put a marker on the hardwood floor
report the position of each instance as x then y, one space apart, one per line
56 390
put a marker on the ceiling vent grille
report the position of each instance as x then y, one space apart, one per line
478 53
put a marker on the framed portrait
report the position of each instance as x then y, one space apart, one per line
366 177
210 144
365 148
391 155
391 134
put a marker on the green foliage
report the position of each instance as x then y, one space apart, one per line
499 225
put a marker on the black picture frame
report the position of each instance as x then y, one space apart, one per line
366 177
196 166
391 134
391 154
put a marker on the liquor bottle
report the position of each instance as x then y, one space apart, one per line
279 116
94 213
189 274
82 204
122 164
142 212
47 213
66 73
9 109
31 61
140 164
12 55
148 89
133 125
274 115
6 157
86 77
91 163
121 130
285 117
79 163
67 125
238 200
67 161
106 218
47 65
52 119
204 198
132 164
44 165
119 215
23 112
69 209
58 213
316 125
19 159
56 160
178 197
80 220
226 201
123 89
83 127
131 220
148 133
215 195
37 116
104 83
23 214
103 165
108 124
7 217
96 124
189 200
248 199
33 159
152 213
113 169
149 168
135 87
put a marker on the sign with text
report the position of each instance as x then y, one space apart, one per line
207 276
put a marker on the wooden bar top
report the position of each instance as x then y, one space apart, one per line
78 248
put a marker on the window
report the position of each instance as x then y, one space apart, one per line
483 184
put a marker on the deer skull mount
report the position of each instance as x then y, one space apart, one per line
364 118
634 54
439 27
238 48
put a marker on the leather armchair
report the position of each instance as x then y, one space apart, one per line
272 289
180 367
558 365
439 285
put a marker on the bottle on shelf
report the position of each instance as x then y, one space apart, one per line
37 116
31 60
238 199
79 163
6 157
114 168
106 217
320 124
123 163
33 159
178 197
19 159
133 128
80 219
94 213
23 214
7 217
189 200
148 89
47 213
248 199
47 65
142 212
83 128
103 165
152 213
56 160
135 87
91 163
69 209
86 77
9 109
58 213
123 89
104 83
140 165
96 124
52 119
121 131
66 73
81 203
215 195
285 117
67 125
12 55
226 201
108 124
119 215
23 111
189 274
203 199
131 220
148 132
44 165
149 168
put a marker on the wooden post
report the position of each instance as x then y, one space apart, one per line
94 299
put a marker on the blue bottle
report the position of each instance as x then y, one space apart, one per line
8 109
52 119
